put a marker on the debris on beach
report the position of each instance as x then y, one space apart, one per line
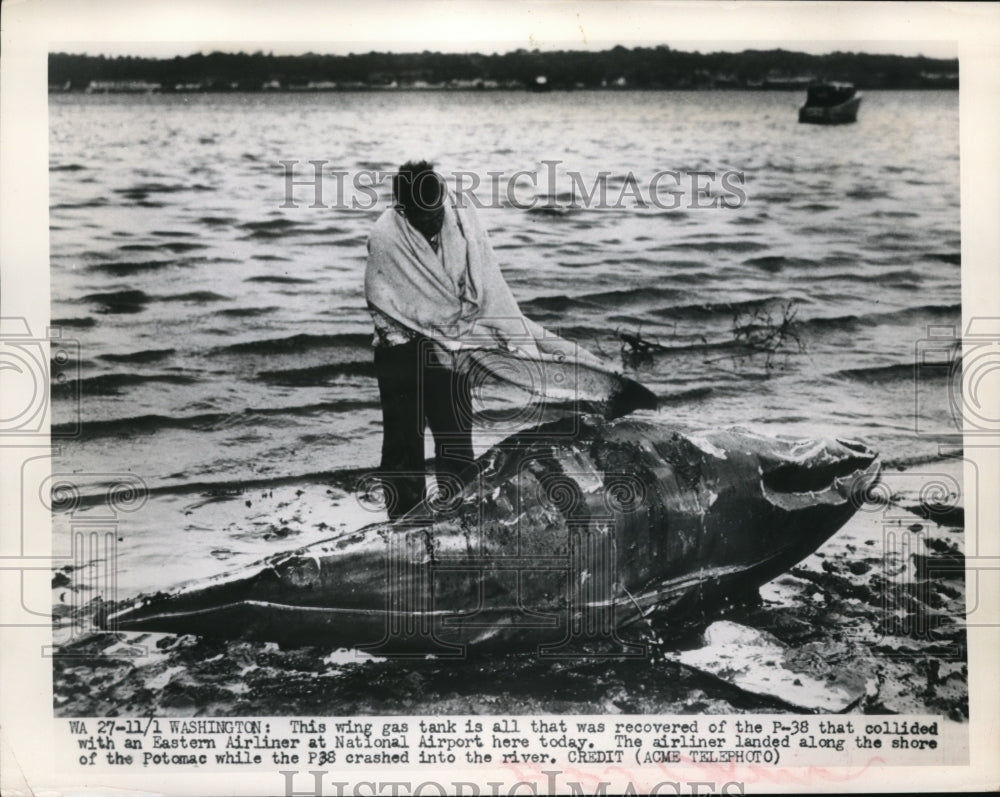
812 677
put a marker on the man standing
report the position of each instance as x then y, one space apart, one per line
417 289
437 299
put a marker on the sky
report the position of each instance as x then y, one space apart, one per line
157 29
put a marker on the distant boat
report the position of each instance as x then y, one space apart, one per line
541 83
830 104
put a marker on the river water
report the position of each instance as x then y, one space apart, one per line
225 338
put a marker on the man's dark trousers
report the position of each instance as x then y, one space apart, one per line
416 390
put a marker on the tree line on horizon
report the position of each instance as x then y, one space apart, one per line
640 68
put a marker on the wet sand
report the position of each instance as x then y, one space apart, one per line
883 600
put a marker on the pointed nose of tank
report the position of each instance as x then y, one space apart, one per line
812 465
832 471
862 471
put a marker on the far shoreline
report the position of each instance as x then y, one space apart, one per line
472 90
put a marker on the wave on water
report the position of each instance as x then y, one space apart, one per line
250 418
317 375
601 299
866 193
884 277
706 310
954 258
837 259
113 384
271 229
814 207
125 301
138 247
74 323
280 280
197 297
332 231
147 356
818 325
905 279
685 396
895 214
143 190
904 316
691 278
376 166
555 304
351 241
123 269
248 312
298 343
709 309
920 312
96 202
722 245
177 247
775 263
887 373
132 300
67 167
551 210
270 225
843 323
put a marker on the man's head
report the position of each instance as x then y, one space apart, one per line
419 192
